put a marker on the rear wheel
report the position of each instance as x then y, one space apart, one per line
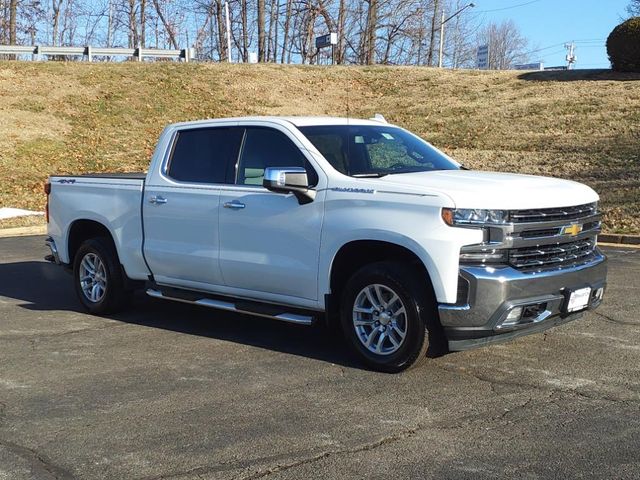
385 311
98 279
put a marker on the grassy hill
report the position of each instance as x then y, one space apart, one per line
78 117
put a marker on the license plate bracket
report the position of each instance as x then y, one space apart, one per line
577 300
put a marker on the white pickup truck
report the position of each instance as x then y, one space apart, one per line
354 222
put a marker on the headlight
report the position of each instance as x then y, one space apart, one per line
474 217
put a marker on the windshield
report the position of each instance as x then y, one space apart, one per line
363 150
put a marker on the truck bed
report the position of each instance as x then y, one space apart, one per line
109 199
128 176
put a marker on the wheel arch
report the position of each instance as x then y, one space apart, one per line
355 254
84 229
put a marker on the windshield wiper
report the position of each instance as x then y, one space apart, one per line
370 175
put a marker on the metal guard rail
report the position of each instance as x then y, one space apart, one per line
186 54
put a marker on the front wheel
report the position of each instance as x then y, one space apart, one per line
385 309
97 277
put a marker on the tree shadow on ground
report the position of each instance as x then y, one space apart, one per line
580 76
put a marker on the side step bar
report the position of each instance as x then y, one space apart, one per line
250 308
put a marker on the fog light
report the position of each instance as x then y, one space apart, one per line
534 311
513 317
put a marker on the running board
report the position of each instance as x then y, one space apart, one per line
250 308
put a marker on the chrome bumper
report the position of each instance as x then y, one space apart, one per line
489 296
55 256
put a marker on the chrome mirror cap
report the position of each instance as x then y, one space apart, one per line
289 180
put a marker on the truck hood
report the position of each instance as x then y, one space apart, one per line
506 191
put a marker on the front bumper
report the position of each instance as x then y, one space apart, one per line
489 295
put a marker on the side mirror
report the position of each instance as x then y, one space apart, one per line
289 180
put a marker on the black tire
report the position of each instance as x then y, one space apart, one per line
414 291
114 297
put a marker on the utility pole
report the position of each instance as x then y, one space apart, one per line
571 57
470 5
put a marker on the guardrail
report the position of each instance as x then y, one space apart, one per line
185 54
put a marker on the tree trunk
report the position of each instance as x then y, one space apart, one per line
342 19
371 33
274 20
167 27
434 24
261 32
270 31
285 40
308 52
13 16
55 7
245 32
143 22
133 28
222 41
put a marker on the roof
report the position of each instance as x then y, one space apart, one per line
297 121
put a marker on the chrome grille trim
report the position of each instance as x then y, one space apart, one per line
553 256
551 214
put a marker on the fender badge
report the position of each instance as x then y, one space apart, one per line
353 190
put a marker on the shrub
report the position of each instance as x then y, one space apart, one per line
623 46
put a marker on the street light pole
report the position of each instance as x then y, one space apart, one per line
470 5
228 29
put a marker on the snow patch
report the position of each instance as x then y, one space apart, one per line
6 212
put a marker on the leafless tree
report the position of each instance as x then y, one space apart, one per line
369 31
507 45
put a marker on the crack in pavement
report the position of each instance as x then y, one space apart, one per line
613 320
321 456
571 391
42 467
203 470
33 337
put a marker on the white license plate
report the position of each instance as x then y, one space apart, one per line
579 299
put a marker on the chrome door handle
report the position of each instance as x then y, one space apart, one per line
158 200
234 205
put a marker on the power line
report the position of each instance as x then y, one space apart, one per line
544 48
562 43
509 8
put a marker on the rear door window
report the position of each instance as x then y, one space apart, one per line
203 155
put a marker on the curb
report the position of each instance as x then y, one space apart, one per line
23 231
619 239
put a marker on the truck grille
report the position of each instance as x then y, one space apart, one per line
545 257
551 214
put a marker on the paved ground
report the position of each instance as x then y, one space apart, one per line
176 392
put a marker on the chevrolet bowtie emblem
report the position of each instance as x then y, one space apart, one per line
573 230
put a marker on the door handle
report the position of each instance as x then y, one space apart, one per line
157 200
236 205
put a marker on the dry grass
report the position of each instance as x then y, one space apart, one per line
73 117
29 221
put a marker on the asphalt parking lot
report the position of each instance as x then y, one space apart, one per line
177 392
